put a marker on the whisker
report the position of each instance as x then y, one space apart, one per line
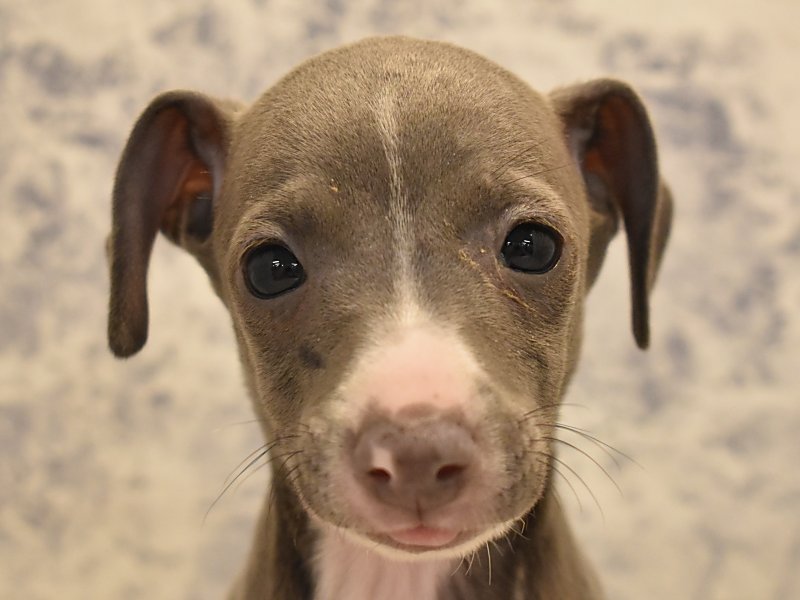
598 442
259 454
564 477
230 483
235 424
293 470
523 525
521 531
270 499
489 558
266 463
268 446
458 567
542 408
470 560
250 474
590 457
588 489
264 448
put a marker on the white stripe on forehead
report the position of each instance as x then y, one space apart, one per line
400 215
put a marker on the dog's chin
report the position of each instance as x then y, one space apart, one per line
426 543
418 543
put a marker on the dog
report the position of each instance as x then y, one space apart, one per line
404 234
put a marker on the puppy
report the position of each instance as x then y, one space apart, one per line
404 234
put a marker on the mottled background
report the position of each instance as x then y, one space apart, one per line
108 467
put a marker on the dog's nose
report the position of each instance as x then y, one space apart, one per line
419 466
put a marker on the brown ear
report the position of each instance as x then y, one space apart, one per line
609 134
168 177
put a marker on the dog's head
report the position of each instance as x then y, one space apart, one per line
404 234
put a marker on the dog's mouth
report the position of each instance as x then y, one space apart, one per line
424 537
421 541
424 540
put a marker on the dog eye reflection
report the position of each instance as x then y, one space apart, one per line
271 270
531 248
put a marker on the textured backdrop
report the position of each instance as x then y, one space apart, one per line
107 468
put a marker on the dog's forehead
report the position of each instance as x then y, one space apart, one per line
392 112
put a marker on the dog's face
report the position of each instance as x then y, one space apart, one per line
404 235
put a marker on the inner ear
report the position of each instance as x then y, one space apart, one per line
187 216
190 216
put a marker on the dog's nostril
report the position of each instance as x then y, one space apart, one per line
449 472
379 475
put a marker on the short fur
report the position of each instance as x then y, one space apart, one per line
393 168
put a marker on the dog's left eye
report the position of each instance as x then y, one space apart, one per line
531 248
271 270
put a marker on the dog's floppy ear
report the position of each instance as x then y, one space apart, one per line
168 177
609 134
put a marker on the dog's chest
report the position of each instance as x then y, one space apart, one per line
344 570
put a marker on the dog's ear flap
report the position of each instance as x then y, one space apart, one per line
609 135
168 177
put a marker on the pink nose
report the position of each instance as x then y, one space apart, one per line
414 466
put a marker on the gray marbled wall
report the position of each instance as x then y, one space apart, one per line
108 467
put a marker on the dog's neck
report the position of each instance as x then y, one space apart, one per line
293 559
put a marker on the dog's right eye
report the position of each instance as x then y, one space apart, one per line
531 248
271 270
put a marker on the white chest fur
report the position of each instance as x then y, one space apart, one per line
347 571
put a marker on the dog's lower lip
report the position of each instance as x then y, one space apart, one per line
421 535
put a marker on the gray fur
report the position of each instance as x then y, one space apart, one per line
391 163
